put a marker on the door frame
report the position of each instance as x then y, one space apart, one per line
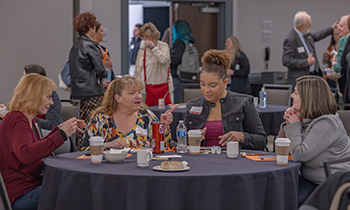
225 25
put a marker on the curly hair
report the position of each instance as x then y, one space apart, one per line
150 26
109 104
216 62
83 22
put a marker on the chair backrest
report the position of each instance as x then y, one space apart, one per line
190 91
70 108
344 116
5 201
278 94
327 165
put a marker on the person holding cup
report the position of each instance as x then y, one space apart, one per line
121 121
226 115
154 59
21 148
315 131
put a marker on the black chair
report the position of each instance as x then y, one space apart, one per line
5 201
190 91
70 108
277 94
327 165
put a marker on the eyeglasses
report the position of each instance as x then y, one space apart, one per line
49 97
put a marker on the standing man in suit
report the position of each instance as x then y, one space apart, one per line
299 53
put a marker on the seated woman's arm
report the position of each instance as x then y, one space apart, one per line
254 132
319 136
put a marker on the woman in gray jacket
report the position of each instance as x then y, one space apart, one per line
316 133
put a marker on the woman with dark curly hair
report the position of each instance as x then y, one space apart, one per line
86 67
226 115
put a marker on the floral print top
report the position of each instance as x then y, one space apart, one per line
139 136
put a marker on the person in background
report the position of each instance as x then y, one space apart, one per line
155 56
328 56
316 133
134 47
52 117
239 68
98 38
344 28
166 36
21 148
121 121
299 53
181 37
223 115
86 67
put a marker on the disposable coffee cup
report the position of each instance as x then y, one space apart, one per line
161 103
142 45
256 101
96 149
282 150
194 141
232 149
144 157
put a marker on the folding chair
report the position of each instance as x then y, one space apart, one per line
5 201
278 94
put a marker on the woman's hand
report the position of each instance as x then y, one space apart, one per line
149 44
204 130
291 116
232 136
118 143
167 117
105 84
230 72
72 125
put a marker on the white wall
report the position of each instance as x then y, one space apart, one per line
33 32
251 13
135 17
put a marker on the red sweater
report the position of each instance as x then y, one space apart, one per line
21 153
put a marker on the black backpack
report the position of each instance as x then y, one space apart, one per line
188 70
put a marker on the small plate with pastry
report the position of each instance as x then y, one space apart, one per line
171 165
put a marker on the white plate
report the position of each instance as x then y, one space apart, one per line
158 168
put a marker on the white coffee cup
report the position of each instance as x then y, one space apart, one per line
96 149
256 101
194 141
142 45
161 103
282 150
232 149
144 157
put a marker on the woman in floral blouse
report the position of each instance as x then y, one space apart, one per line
120 121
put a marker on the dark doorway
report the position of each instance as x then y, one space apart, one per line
159 16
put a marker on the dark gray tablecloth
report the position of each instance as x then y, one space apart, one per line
271 117
214 182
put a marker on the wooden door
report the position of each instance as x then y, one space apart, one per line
203 26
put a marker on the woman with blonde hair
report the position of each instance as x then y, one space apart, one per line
154 59
316 133
223 115
21 149
239 68
121 121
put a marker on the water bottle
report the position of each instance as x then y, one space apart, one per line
181 134
262 98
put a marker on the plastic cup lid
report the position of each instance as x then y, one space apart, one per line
282 140
96 139
194 133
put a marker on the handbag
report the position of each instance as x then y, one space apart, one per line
155 92
64 79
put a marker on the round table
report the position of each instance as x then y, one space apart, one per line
271 117
213 182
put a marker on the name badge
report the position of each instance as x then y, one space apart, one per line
132 47
237 67
196 110
301 50
141 131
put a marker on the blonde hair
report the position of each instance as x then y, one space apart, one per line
315 96
237 49
216 62
109 104
150 26
30 91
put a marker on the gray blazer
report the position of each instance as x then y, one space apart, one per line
297 62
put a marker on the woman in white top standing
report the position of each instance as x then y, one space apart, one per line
157 59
